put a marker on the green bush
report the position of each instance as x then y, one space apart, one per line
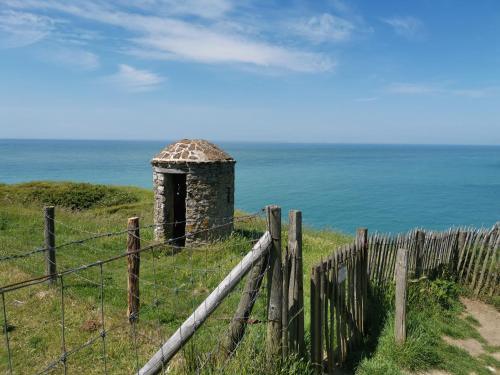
75 196
433 294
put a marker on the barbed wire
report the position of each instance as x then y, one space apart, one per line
76 271
116 233
193 321
151 247
256 294
181 278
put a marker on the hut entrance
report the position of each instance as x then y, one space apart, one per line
179 206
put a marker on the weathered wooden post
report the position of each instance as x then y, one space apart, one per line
50 244
316 324
461 242
419 252
274 287
244 309
454 254
284 305
296 287
187 329
401 295
133 266
462 236
362 244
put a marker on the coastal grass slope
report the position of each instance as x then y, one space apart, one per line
186 278
173 284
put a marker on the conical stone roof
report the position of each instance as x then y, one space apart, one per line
192 151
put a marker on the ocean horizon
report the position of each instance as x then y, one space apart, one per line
385 187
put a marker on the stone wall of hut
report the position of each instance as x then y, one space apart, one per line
209 200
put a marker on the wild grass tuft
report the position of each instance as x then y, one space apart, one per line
433 311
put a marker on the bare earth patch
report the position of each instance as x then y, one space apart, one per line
471 346
488 318
488 328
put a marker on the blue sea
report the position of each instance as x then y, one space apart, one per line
337 186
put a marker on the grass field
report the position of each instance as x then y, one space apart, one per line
172 285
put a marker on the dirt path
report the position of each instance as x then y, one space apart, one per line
488 318
489 329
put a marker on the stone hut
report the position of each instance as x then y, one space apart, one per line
193 191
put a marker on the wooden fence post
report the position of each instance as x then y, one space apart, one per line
462 236
401 295
244 309
274 287
454 253
284 305
296 285
50 244
133 266
316 323
187 329
419 252
362 243
461 242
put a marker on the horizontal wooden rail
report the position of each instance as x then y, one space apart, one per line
203 311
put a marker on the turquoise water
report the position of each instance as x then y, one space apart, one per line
383 187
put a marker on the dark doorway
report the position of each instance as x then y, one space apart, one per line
179 185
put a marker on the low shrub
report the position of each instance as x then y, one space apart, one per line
74 196
434 294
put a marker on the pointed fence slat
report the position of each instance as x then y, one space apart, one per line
339 284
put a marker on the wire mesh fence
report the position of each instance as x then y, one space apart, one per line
80 324
103 315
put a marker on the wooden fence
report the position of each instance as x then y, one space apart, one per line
471 256
339 284
430 253
478 260
285 305
338 304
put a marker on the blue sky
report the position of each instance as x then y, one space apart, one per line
298 71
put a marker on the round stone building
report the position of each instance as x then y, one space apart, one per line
193 191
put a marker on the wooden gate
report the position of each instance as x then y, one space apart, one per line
338 304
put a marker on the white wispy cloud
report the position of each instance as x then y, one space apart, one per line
437 89
74 58
19 29
408 26
210 9
169 37
200 8
324 28
208 47
134 80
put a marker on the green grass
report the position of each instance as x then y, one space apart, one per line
434 311
182 279
173 284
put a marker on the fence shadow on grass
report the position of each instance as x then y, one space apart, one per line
380 304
